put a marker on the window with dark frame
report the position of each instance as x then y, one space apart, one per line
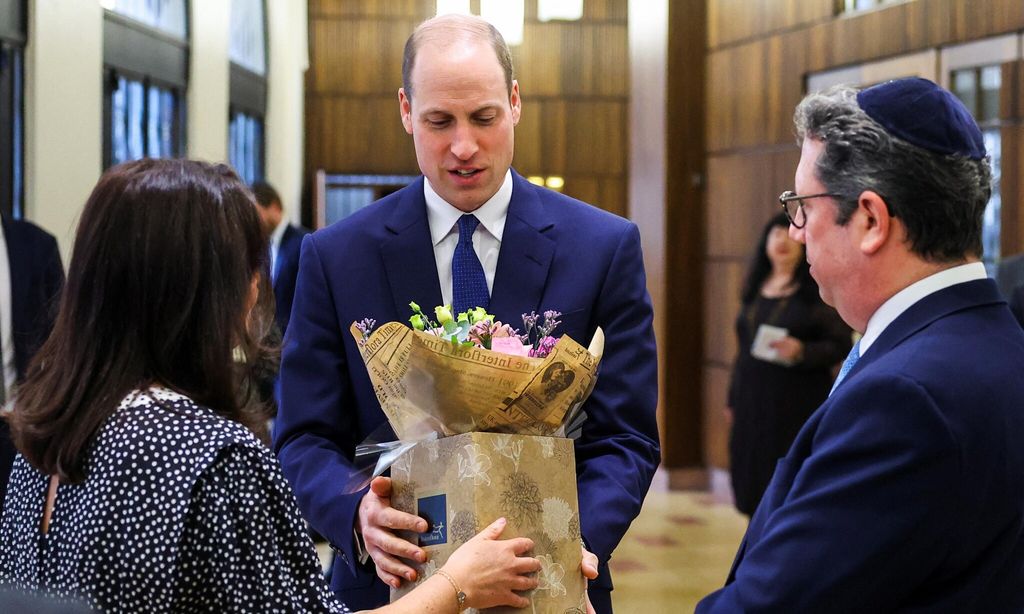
978 87
145 55
248 89
13 34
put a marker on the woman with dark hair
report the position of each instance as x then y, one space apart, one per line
789 340
138 487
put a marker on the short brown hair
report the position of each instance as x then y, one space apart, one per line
450 28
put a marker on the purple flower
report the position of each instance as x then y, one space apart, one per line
365 327
544 347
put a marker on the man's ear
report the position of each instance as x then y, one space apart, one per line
516 102
876 223
405 108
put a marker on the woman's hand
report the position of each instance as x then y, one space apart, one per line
790 349
488 570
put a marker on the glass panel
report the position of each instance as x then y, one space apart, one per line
507 16
136 113
569 10
245 147
248 43
990 229
18 134
458 7
991 82
168 16
343 202
143 121
965 87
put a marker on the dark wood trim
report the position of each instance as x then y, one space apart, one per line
682 344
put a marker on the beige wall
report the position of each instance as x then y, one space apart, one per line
64 102
287 64
648 57
207 122
63 112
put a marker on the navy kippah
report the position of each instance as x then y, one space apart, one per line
923 114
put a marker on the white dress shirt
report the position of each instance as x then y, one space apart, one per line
443 219
905 298
8 374
275 246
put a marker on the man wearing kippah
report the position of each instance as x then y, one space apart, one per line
904 492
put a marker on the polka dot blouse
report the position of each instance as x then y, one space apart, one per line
181 510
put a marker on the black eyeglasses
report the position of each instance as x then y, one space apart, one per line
797 217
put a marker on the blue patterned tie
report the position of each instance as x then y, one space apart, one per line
851 359
469 285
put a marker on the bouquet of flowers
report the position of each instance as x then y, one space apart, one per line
481 411
478 328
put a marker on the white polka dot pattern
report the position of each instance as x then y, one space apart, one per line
182 510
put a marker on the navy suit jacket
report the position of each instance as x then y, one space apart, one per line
904 492
556 253
36 280
287 271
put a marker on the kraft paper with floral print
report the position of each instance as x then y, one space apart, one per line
530 480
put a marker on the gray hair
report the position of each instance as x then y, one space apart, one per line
448 29
939 198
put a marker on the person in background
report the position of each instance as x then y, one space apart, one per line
31 276
903 491
138 486
789 342
285 241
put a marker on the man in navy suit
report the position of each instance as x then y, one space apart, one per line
285 242
471 231
903 492
31 276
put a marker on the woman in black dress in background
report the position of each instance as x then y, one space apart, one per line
771 396
137 486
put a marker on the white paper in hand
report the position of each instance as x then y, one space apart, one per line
762 346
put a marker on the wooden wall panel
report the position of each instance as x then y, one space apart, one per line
730 21
716 429
574 79
737 210
724 281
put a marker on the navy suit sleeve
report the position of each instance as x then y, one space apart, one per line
842 538
618 452
312 423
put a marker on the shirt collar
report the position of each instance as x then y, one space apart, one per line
442 216
905 298
275 237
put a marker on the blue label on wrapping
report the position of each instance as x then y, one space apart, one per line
435 511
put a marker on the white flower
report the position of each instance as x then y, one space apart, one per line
557 516
474 465
504 445
550 576
547 446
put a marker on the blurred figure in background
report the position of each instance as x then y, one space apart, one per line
285 241
789 341
138 487
31 276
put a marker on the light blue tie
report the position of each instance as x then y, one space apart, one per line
851 359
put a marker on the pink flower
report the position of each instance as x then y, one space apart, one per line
510 345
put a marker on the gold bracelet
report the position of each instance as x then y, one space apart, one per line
459 595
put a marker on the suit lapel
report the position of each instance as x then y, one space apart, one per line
525 256
16 254
408 253
929 309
